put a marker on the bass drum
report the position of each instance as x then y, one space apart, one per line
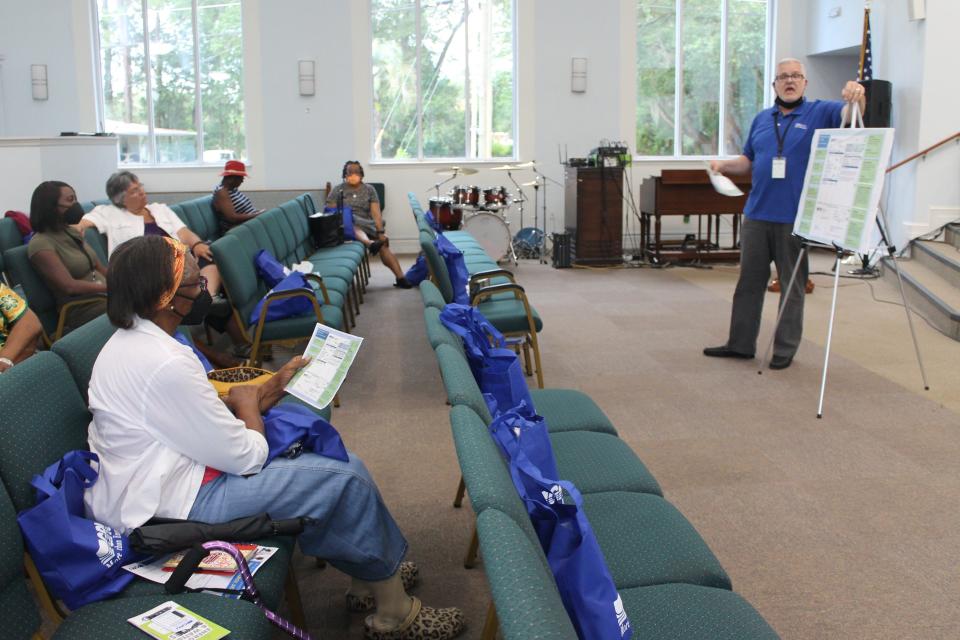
491 232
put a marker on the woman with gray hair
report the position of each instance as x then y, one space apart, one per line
129 216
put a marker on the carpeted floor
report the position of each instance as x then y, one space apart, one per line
845 527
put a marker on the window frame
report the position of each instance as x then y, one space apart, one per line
770 46
148 75
439 161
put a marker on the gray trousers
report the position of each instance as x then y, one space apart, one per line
761 243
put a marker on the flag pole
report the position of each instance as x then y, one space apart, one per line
863 40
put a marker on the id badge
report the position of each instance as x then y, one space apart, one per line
779 169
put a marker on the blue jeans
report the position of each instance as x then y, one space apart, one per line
353 530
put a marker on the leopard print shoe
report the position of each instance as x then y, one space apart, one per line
409 572
423 623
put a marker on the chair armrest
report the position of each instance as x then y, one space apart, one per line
492 273
316 277
504 287
72 303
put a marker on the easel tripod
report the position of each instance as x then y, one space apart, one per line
891 251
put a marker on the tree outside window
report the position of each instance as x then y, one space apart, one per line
443 79
174 95
700 75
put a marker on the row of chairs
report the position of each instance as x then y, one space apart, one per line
493 290
671 584
45 415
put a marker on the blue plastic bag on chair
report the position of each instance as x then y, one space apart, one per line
428 215
287 307
497 370
521 429
459 277
269 268
417 273
81 561
291 429
575 558
347 221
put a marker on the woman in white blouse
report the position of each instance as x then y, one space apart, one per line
129 216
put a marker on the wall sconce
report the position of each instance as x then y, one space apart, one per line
306 75
578 75
38 81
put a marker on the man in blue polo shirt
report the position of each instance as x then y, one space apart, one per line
776 154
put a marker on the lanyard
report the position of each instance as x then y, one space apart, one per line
781 139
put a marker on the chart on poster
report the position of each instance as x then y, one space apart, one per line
842 187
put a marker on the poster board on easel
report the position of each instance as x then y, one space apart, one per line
842 187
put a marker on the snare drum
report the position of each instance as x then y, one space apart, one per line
464 195
444 213
496 196
491 232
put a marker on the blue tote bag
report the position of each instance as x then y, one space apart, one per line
521 429
418 272
347 221
291 429
269 268
578 566
81 561
459 277
288 307
498 371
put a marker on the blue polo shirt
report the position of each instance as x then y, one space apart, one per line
776 200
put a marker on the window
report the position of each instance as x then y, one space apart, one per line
174 95
443 79
701 74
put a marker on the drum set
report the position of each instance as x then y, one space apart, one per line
483 211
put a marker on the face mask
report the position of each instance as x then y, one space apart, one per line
353 179
199 310
789 105
73 214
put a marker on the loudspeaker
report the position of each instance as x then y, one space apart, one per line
879 96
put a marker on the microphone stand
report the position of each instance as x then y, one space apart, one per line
523 197
437 186
543 237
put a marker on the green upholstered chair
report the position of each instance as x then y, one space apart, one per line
9 238
21 620
645 539
528 605
199 217
431 295
39 297
41 392
438 334
80 348
97 242
245 289
108 619
504 304
309 207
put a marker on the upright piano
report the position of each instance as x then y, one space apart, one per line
688 192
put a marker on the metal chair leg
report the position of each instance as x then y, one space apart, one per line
461 489
292 592
526 358
491 626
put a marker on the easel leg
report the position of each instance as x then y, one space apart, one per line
833 311
783 305
891 251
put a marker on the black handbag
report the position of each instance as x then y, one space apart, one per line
326 229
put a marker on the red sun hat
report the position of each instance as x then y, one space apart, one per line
234 168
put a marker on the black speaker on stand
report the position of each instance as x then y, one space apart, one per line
879 96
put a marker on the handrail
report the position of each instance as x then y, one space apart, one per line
919 154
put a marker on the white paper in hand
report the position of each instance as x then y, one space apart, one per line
724 185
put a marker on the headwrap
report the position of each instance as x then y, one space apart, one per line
179 259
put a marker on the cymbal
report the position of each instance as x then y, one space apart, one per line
532 183
463 171
505 167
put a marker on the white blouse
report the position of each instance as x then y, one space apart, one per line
157 423
120 225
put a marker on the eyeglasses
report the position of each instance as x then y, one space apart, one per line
201 280
783 77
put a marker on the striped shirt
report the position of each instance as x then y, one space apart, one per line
241 204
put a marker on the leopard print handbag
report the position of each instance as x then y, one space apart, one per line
225 379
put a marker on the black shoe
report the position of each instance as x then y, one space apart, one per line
375 247
726 352
403 283
780 362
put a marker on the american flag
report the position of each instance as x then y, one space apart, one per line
866 53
